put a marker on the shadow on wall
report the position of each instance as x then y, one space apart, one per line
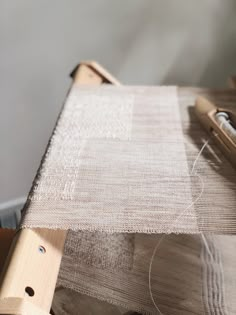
207 55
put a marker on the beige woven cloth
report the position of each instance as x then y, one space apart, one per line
186 277
119 167
120 160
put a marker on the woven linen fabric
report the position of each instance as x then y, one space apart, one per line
116 163
215 209
187 277
120 160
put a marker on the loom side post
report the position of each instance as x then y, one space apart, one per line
29 276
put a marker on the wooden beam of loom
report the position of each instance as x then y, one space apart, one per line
30 273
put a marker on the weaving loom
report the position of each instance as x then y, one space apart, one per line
116 181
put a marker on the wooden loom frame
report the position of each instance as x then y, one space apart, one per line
29 276
28 279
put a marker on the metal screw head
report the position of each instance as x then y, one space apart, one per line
42 249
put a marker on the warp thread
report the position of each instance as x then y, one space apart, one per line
193 172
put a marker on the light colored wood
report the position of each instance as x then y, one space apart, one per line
86 76
31 269
17 306
232 82
93 73
33 266
206 111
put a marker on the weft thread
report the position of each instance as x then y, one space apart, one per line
176 220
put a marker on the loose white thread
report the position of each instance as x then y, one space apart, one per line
175 221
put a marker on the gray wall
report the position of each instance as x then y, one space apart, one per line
184 42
